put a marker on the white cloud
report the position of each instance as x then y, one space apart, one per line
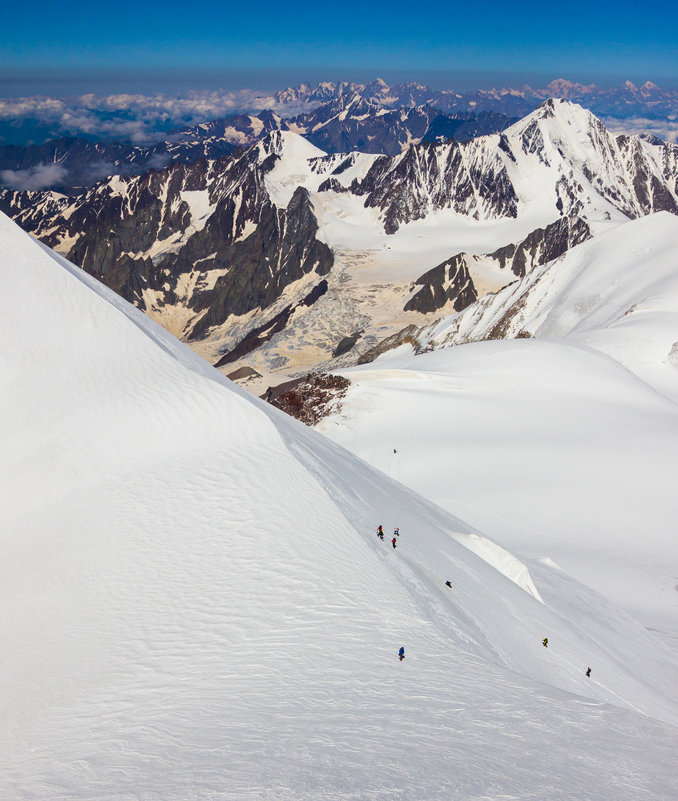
41 176
664 129
137 118
42 108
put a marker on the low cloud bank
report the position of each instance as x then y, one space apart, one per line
41 176
136 118
667 129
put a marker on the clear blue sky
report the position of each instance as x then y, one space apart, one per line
270 44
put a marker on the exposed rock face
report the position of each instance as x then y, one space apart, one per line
33 211
542 245
449 281
81 163
346 344
431 177
310 398
243 373
144 236
452 280
406 336
651 192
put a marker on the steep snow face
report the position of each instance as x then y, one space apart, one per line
573 147
191 581
563 445
287 144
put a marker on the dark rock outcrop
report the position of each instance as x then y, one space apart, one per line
310 398
346 344
431 177
261 334
543 245
405 336
448 282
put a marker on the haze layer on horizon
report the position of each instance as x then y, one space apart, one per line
75 81
168 46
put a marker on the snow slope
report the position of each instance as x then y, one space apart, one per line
617 294
562 446
193 603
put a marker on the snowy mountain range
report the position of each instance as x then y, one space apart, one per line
194 602
51 143
343 124
148 118
272 258
626 100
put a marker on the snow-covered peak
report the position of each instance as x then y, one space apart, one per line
559 117
287 145
593 173
564 88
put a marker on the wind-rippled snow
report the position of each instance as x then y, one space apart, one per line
194 604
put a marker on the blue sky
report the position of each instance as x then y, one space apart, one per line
271 44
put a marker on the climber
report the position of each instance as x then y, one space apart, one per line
380 532
545 642
393 542
401 653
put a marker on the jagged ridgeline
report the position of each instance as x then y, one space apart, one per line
142 236
242 250
344 122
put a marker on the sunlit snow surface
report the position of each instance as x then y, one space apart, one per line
562 446
194 604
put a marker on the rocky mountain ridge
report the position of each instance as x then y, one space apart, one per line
621 101
482 178
615 293
143 236
343 124
238 255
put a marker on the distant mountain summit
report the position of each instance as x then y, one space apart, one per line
626 100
